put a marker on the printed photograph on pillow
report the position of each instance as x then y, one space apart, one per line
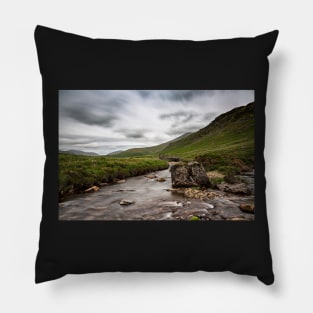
174 155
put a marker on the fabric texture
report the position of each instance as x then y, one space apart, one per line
70 62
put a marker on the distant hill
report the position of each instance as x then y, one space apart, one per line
115 152
226 130
148 150
78 152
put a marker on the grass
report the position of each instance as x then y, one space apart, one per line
77 173
194 218
216 181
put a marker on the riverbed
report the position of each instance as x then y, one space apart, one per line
152 200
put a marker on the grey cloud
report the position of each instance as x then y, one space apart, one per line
185 95
78 139
102 121
145 93
132 133
209 116
84 114
175 95
182 116
178 131
90 107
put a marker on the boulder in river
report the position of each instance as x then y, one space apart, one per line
189 175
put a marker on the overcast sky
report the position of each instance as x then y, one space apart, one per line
104 121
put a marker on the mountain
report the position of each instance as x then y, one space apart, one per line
78 152
148 150
227 139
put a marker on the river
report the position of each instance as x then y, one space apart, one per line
153 200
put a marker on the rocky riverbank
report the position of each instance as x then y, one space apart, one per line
152 197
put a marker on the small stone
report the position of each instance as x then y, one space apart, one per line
151 176
93 188
161 179
126 202
211 195
121 181
240 188
248 208
237 219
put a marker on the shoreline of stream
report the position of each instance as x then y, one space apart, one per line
150 199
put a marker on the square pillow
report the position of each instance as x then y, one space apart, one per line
154 155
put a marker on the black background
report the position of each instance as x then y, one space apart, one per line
73 62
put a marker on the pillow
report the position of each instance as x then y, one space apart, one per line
154 155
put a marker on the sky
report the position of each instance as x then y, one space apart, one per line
104 121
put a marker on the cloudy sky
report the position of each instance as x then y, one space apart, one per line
104 121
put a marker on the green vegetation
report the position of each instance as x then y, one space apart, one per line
225 145
194 218
76 172
215 181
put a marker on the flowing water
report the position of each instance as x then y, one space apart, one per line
153 200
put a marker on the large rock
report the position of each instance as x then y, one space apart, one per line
189 175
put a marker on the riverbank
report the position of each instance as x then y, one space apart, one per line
78 173
151 197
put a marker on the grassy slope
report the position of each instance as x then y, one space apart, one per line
227 141
76 172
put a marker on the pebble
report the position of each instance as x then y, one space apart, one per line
151 176
161 179
93 188
248 208
126 202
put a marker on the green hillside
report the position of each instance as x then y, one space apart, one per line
154 150
227 141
